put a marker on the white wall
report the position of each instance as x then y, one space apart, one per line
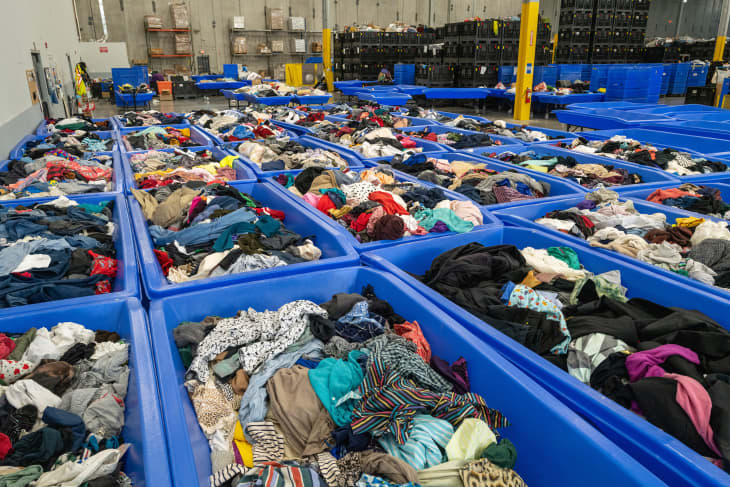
48 26
100 64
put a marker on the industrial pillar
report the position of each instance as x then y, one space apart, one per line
722 31
327 46
526 59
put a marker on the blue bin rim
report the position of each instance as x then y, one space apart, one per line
128 283
117 120
128 174
184 471
440 129
156 286
621 425
195 133
642 206
488 218
17 151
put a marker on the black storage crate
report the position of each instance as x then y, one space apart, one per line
509 30
604 18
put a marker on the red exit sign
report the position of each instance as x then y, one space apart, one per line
103 49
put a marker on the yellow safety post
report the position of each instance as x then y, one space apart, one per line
327 58
526 59
719 48
722 31
555 46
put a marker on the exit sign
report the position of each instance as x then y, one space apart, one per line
103 49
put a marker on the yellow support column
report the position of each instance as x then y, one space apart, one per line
719 48
327 58
722 31
526 59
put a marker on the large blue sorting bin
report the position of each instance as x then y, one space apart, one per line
19 149
196 135
721 184
488 218
117 120
126 283
652 177
445 129
697 128
351 157
559 188
602 119
43 126
117 172
662 454
298 219
525 216
552 133
424 145
697 145
546 434
243 172
146 462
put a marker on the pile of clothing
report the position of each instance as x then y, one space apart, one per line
498 127
348 392
366 137
374 205
158 138
671 160
76 143
63 407
77 123
155 168
128 89
233 126
456 140
587 175
283 153
474 180
381 116
278 89
56 250
699 199
208 230
150 117
56 173
692 247
669 365
334 109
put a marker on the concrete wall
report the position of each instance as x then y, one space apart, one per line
45 26
210 20
699 18
99 64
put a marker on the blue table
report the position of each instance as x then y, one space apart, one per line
222 85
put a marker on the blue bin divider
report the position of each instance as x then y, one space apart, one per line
611 105
574 450
697 128
660 453
146 462
488 218
559 188
676 110
652 177
442 129
298 219
555 134
294 128
117 121
19 149
697 145
605 119
126 100
243 172
197 135
126 284
525 216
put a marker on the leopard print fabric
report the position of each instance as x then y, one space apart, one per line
483 473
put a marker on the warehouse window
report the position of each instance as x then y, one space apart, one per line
103 18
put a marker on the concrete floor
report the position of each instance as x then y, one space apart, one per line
492 111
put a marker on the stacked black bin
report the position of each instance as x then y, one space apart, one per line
577 21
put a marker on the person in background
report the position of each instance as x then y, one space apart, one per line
385 76
156 76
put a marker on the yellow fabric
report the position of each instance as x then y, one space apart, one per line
228 161
244 447
461 167
689 222
142 175
470 440
339 213
211 168
185 132
537 168
367 175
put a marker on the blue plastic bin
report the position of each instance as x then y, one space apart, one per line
651 177
570 72
662 454
43 126
196 135
697 75
126 284
404 74
559 188
146 462
572 449
606 119
552 133
298 219
313 99
599 76
697 145
507 75
546 74
488 218
120 123
19 149
525 216
445 129
243 172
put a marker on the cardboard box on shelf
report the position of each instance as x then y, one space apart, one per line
239 46
275 18
180 18
156 51
298 45
182 44
316 46
152 22
238 22
296 23
277 46
263 49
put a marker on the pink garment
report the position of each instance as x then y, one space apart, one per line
466 210
197 201
375 215
441 165
646 363
311 198
696 402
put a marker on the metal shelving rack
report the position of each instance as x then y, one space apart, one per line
148 31
268 37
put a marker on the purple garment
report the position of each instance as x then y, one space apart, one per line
454 373
439 227
586 205
646 364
